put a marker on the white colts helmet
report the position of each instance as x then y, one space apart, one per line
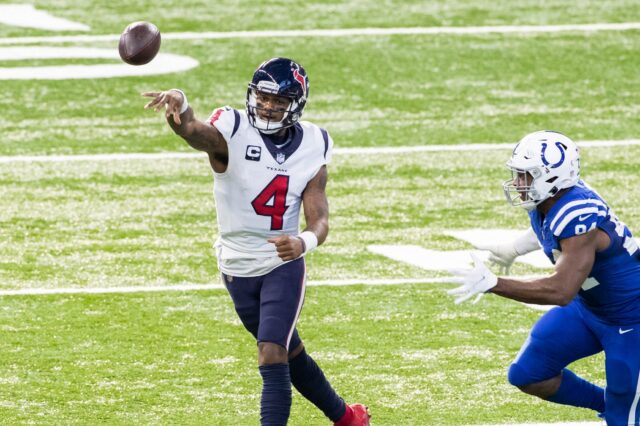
552 160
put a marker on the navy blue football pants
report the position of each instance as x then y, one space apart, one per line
269 305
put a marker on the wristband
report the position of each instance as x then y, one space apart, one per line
309 241
185 103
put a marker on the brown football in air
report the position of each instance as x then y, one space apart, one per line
139 43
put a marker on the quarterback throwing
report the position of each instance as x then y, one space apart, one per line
267 164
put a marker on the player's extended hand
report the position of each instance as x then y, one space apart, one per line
171 100
287 246
474 281
502 255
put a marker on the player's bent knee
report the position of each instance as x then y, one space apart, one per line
520 378
271 353
619 377
517 376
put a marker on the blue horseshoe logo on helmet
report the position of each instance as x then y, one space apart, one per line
560 148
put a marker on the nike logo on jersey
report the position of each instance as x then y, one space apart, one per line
621 331
581 218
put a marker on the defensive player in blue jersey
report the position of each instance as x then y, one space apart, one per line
596 283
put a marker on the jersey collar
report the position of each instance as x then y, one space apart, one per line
282 154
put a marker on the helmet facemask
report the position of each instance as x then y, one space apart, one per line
268 126
520 190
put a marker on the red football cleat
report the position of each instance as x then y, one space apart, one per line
360 416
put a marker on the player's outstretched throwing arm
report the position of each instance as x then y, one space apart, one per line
316 214
199 135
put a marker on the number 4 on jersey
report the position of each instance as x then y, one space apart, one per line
272 201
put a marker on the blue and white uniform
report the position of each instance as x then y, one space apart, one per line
605 315
612 291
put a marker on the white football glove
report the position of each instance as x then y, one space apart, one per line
474 281
503 254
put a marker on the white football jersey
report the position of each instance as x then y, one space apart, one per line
259 195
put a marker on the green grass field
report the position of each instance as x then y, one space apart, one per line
405 350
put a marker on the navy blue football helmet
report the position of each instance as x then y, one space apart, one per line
281 77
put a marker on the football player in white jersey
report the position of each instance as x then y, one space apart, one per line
596 283
266 165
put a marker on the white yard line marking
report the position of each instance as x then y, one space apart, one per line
336 151
199 287
27 16
162 64
347 32
205 287
99 157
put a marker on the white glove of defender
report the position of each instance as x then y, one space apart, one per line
503 254
474 281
